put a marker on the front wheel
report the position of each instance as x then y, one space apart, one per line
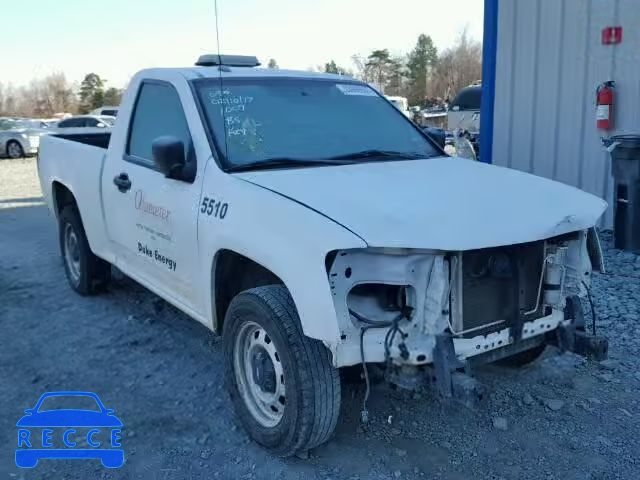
282 384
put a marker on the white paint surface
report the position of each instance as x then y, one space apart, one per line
441 203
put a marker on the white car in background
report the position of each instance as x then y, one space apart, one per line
106 110
401 103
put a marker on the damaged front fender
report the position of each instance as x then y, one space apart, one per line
379 284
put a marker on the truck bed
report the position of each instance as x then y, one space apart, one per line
95 139
74 161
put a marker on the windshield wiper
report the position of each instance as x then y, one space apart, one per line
379 154
281 162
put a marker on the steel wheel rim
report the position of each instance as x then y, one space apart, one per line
259 374
72 252
14 150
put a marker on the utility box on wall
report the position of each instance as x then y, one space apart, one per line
550 57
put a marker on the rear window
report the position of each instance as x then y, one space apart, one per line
468 99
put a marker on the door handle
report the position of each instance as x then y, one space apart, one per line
122 182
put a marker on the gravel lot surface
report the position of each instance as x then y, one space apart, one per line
560 418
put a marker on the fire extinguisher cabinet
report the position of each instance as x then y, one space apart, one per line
625 163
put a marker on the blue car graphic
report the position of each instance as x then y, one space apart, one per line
28 456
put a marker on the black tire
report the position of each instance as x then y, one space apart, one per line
16 152
573 310
92 272
523 358
312 405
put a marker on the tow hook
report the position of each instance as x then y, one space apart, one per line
574 337
570 339
449 377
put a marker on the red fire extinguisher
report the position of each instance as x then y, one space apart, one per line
604 105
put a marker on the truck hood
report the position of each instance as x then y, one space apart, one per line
440 203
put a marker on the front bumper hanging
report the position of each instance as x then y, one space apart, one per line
453 379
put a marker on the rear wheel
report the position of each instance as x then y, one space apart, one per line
14 149
282 384
86 273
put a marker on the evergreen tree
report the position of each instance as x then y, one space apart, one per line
420 63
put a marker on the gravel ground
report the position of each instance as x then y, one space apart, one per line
560 418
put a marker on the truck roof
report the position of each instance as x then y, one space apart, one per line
191 73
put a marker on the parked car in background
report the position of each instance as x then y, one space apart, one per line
50 122
431 117
106 110
464 110
87 121
400 103
20 137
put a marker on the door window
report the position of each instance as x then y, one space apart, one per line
158 112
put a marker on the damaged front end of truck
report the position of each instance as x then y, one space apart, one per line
429 315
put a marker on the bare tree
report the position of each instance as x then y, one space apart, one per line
40 98
57 94
360 69
457 67
9 100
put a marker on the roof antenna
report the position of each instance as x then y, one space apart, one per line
215 6
220 67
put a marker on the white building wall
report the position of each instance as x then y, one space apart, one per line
549 62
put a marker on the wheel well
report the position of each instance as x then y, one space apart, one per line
62 197
9 142
233 273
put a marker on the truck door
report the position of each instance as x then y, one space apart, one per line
151 219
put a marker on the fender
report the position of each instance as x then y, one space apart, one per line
265 227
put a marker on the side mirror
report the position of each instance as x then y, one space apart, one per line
168 155
464 148
101 125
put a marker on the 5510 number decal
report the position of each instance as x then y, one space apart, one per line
214 208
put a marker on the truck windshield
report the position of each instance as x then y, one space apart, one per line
287 122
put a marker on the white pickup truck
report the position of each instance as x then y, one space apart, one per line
315 227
